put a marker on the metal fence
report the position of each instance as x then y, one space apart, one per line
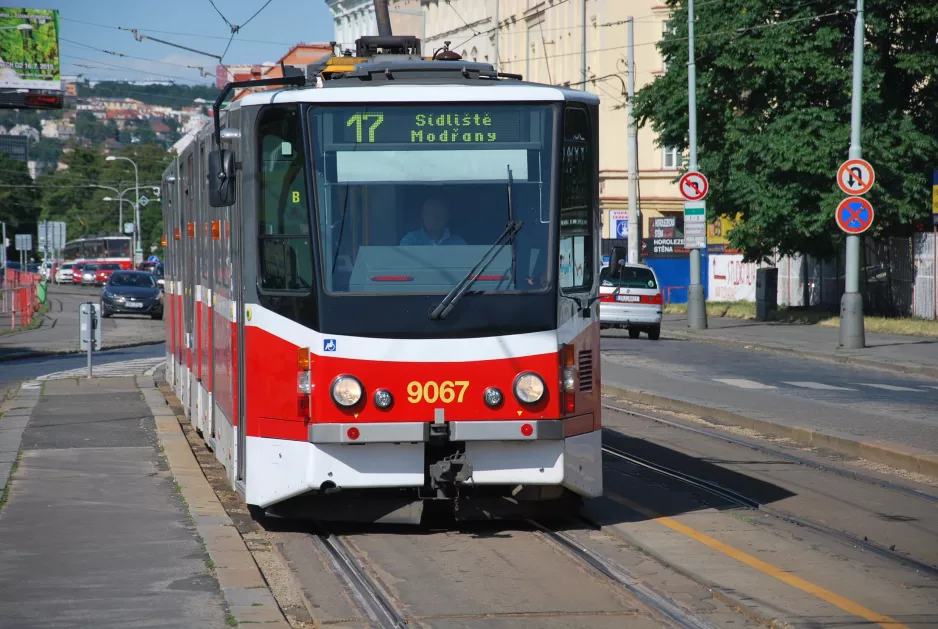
19 298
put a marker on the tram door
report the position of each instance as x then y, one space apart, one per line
189 283
236 213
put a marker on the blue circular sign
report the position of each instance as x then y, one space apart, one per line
854 215
622 229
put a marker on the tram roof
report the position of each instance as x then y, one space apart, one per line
517 92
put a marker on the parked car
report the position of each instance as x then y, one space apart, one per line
89 274
631 298
34 267
132 292
105 270
63 274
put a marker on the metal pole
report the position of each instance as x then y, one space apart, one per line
496 35
583 47
634 245
136 212
120 212
3 247
90 333
696 302
852 334
383 18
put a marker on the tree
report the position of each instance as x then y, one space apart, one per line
19 204
773 111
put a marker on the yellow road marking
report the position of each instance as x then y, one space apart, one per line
764 567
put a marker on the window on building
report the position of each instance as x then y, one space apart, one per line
665 29
283 229
671 158
576 206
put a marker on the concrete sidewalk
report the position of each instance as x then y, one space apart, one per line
107 520
58 331
908 354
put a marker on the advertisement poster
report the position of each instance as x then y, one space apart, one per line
718 235
29 49
731 279
667 238
566 262
618 223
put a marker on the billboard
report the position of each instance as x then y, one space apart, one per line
717 235
667 238
29 49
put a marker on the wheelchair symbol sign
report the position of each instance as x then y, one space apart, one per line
328 345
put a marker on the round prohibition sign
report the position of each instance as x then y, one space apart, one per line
854 215
855 176
694 186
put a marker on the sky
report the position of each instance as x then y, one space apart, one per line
89 27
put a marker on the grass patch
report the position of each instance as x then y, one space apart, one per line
6 490
824 318
883 325
230 620
34 323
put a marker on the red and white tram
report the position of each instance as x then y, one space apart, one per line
106 248
384 290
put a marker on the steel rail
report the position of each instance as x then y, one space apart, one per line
370 598
784 455
747 502
652 598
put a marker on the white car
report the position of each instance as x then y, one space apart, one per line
63 275
630 298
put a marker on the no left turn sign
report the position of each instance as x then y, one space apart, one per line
855 176
694 186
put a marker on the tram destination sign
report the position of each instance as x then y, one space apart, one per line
435 126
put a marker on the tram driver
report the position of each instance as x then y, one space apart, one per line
434 216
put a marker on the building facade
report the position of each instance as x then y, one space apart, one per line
352 19
543 40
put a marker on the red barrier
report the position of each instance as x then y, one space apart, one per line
23 291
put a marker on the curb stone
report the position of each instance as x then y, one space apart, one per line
12 425
860 361
892 454
248 596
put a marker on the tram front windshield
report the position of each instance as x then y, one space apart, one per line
412 197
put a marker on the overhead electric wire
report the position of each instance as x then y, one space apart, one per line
154 30
121 54
129 69
255 14
230 25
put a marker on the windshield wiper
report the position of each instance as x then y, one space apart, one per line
452 298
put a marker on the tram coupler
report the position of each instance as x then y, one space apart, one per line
446 473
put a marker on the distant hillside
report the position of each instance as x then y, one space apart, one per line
167 95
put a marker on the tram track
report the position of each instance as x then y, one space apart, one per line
369 597
384 612
864 478
749 503
658 602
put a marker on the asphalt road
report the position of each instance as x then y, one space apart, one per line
861 402
29 368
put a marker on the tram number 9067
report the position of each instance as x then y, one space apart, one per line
431 392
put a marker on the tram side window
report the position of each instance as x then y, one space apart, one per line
576 215
283 214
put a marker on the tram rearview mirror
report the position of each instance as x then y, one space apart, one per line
221 178
617 256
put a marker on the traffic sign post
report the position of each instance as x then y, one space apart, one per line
694 186
695 224
854 215
89 329
855 176
852 335
143 201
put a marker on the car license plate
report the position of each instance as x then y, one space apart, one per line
130 304
629 298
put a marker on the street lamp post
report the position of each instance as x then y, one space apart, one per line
137 247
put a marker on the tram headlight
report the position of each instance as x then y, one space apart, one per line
383 398
569 379
346 391
492 396
529 388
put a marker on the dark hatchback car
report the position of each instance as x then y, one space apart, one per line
132 292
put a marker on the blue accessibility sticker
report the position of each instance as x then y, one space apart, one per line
328 345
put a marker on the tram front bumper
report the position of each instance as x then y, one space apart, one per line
283 469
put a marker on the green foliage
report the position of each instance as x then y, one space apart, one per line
773 111
67 195
18 205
